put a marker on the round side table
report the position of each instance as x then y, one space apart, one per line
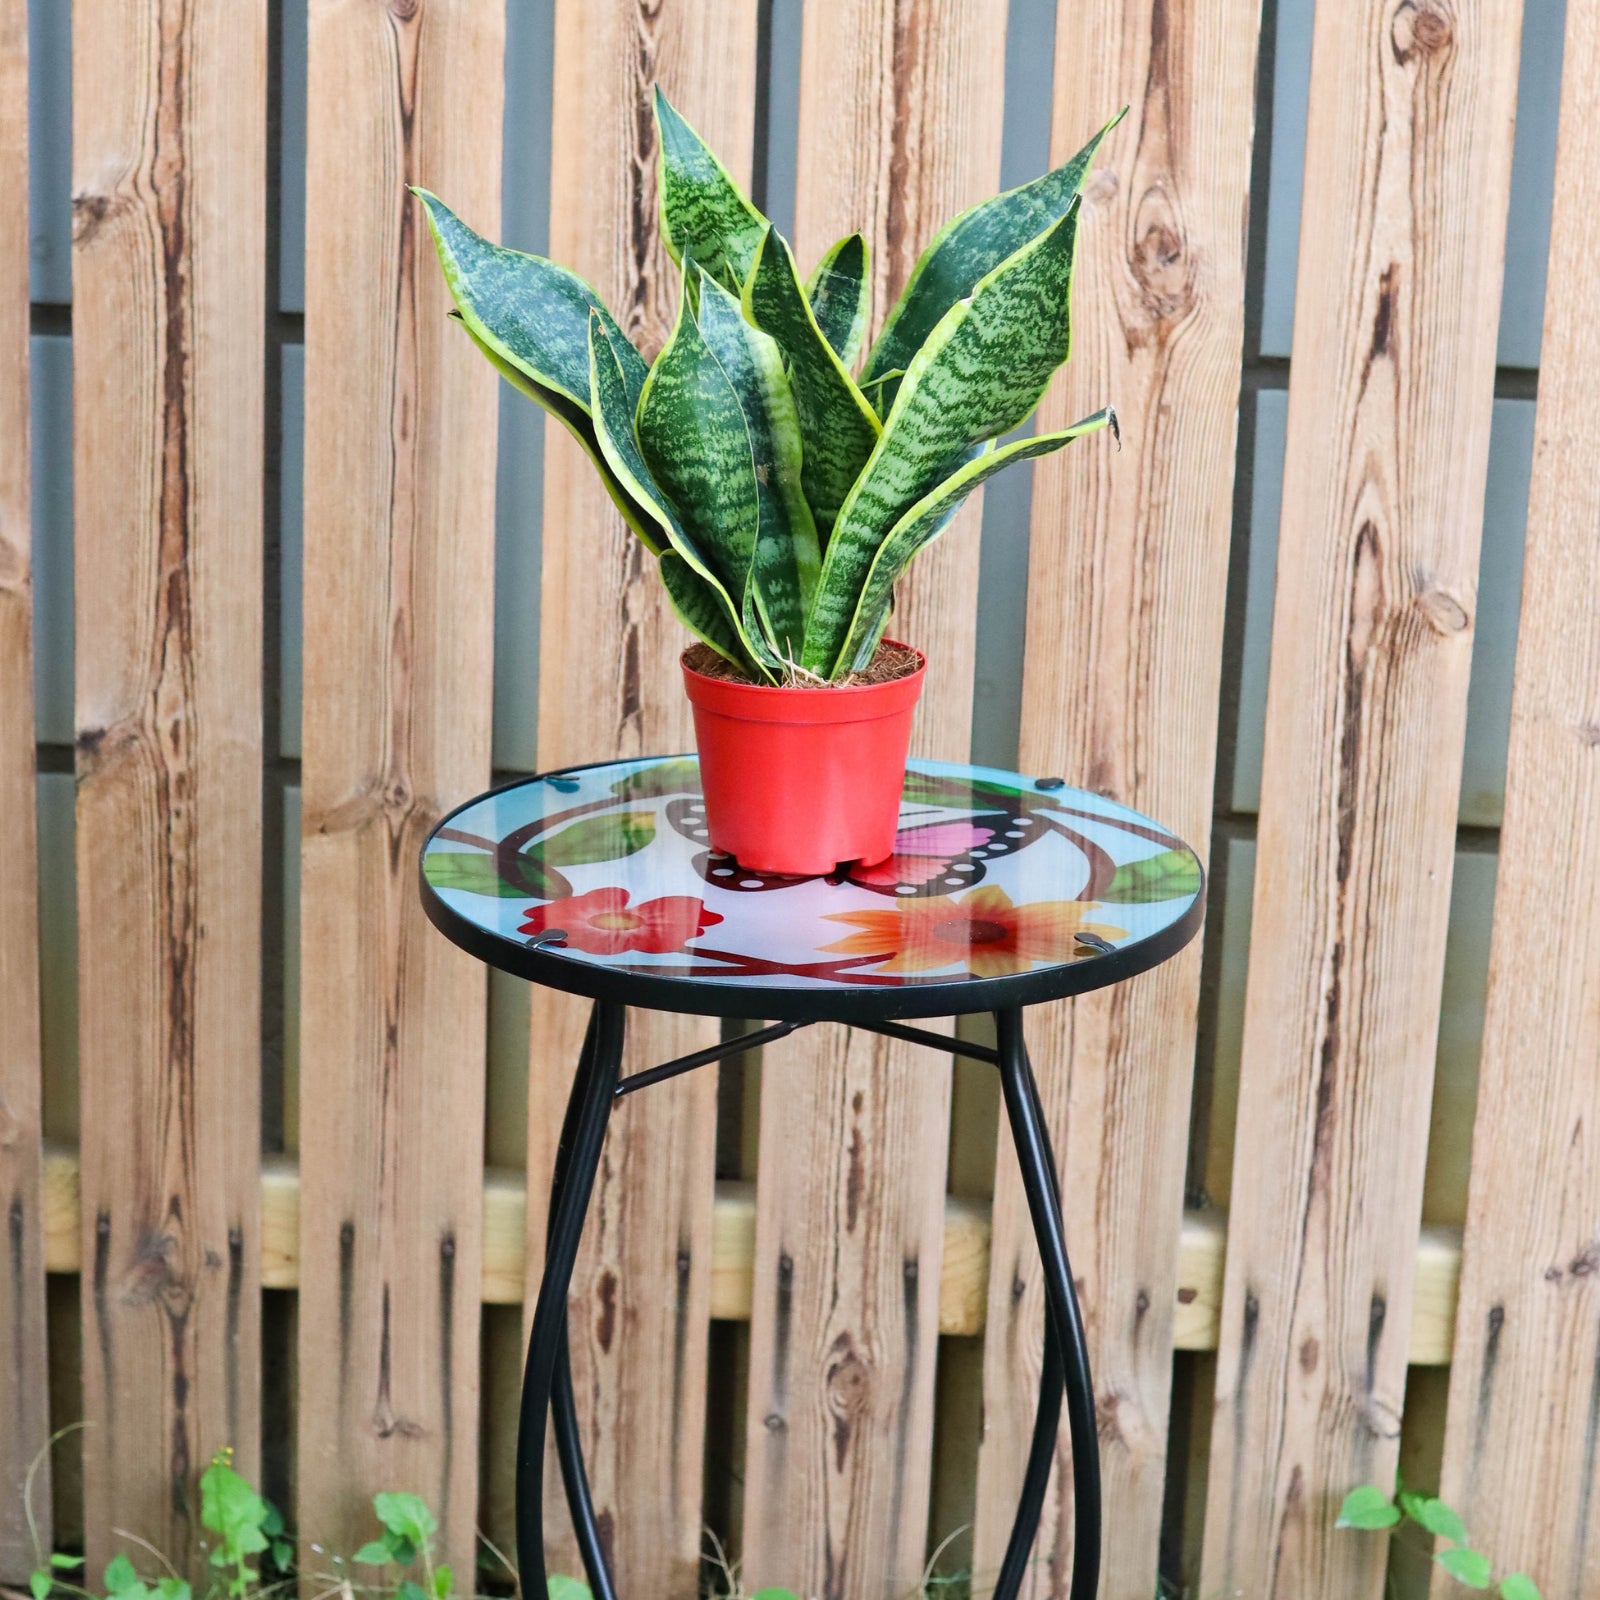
1003 892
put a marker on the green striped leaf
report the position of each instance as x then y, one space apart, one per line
925 521
702 608
692 434
613 410
971 246
837 427
530 319
839 292
880 391
787 559
980 373
580 424
531 313
705 216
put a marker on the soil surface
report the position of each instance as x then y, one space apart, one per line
892 661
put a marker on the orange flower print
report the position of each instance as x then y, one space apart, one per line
602 923
984 929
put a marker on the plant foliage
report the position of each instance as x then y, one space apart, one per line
1367 1507
782 495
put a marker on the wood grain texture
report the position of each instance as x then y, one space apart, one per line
24 1359
1128 567
1402 239
1525 1384
169 202
609 685
900 126
399 566
963 1280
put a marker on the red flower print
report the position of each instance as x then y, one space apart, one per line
602 923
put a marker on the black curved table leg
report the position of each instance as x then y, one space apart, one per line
563 1406
1039 1182
1046 1425
548 1375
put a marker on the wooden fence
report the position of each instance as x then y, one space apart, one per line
747 1352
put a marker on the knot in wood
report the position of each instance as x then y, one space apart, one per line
1420 30
91 210
1101 189
849 1385
1159 259
151 1278
1444 613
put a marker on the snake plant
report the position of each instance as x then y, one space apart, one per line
782 492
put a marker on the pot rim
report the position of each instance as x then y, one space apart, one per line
785 703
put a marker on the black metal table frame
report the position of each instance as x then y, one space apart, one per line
547 1384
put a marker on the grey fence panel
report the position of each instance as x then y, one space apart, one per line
51 418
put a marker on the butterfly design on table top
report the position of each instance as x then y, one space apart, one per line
930 857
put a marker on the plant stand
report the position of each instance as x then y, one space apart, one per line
1004 892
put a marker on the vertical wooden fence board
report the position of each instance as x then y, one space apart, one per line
24 1360
609 686
900 126
1128 571
1524 1392
169 198
1409 135
399 565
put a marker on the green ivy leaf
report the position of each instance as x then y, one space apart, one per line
41 1583
63 1563
1470 1567
443 1579
560 1587
679 776
282 1554
173 1589
470 872
121 1579
1367 1507
589 839
1519 1586
410 1590
1172 875
1437 1518
775 1594
407 1516
374 1553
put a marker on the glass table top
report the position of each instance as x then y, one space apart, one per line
1002 889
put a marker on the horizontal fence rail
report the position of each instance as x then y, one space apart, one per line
963 1281
281 549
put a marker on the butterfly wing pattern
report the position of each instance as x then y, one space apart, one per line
934 852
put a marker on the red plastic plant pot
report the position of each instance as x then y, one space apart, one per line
798 780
